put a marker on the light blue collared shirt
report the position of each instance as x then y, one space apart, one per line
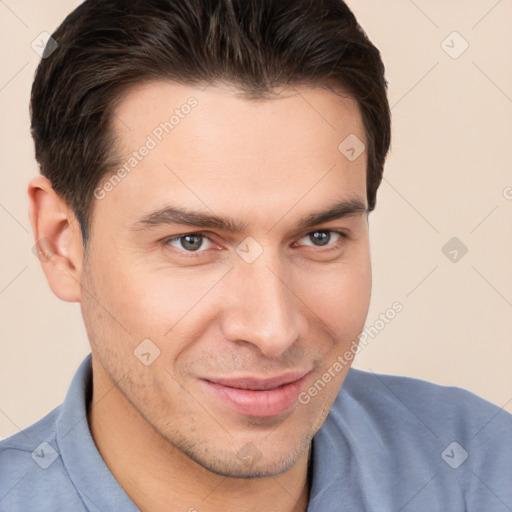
389 444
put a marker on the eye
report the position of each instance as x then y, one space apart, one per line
191 242
323 237
195 242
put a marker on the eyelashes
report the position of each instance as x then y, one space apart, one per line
195 241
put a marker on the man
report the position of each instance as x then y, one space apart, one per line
208 169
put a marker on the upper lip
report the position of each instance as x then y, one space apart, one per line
258 383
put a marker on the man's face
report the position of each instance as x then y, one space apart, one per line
240 322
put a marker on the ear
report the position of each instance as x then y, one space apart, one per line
58 239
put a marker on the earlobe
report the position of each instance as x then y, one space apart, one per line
58 240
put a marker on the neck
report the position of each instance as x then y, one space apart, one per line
154 473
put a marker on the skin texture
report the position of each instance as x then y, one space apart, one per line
210 313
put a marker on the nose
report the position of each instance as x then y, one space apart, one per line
262 308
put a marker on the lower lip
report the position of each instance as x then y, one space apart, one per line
267 403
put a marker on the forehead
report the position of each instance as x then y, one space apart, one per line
222 112
212 147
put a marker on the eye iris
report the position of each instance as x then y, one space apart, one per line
186 242
194 242
321 236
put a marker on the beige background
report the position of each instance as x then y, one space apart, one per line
449 175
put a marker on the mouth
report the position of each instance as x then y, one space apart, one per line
253 396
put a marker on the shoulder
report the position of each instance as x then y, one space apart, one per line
435 447
445 430
442 408
32 469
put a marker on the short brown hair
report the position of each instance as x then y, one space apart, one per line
107 46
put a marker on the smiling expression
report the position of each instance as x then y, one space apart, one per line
238 249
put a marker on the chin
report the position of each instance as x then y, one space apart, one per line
249 462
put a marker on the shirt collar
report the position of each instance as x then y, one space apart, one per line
90 475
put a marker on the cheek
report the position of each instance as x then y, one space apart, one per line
136 293
168 299
340 294
171 307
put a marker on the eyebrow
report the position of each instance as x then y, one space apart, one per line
171 215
